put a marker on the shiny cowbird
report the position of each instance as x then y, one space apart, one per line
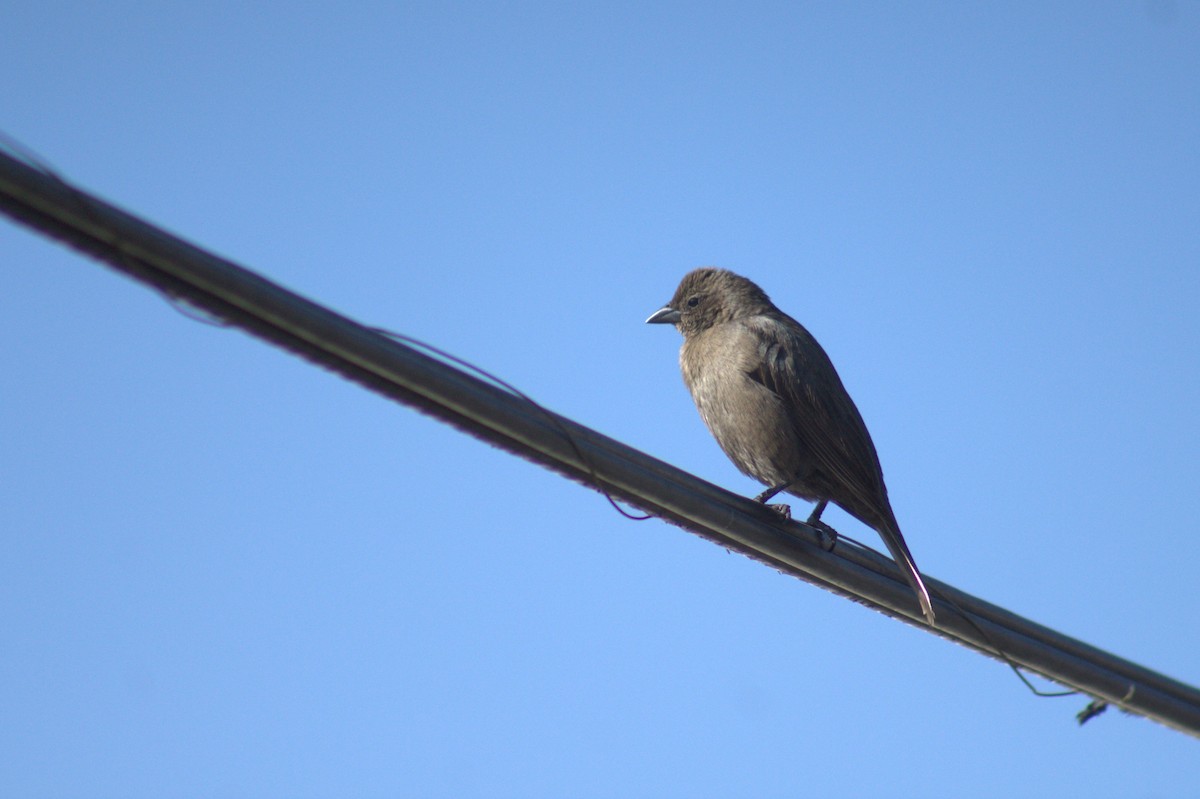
772 399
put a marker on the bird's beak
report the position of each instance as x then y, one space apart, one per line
664 316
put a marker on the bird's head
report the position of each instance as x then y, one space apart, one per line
708 297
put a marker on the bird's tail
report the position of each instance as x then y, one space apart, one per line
890 533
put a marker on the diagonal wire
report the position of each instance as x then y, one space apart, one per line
241 298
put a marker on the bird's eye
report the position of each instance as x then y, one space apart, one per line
693 302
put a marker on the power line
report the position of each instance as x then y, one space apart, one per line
41 200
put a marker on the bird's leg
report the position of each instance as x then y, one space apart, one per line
770 492
823 530
783 510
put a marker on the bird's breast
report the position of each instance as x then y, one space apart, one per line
749 421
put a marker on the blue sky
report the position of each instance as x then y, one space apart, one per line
228 573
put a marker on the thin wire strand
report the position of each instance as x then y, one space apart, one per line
400 337
1016 668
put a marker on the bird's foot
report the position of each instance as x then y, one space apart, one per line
827 536
783 510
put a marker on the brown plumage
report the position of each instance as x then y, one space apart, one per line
772 399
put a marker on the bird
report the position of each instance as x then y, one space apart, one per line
771 397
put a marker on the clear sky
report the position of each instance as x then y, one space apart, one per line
226 573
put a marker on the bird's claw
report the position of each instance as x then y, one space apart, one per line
827 536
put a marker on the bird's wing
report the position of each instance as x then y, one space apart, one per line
794 366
